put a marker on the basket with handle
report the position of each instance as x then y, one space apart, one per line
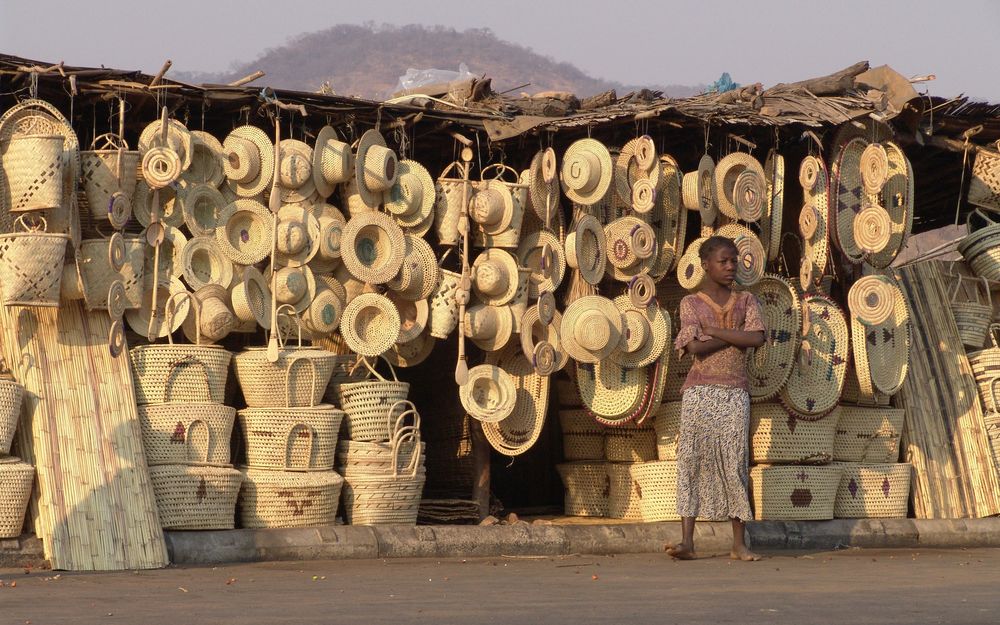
448 205
794 493
872 491
11 394
972 317
984 187
365 404
777 437
343 366
16 478
160 372
366 458
392 497
587 487
31 264
107 169
656 487
32 168
96 260
499 173
868 434
442 316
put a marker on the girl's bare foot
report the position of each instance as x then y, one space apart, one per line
681 552
744 555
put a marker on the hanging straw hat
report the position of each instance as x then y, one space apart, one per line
533 331
647 331
871 299
492 207
495 277
323 315
293 285
489 394
179 140
727 172
169 210
201 204
586 172
333 161
372 247
411 199
750 259
295 175
413 316
489 327
631 247
531 253
215 320
872 229
249 163
331 228
370 324
586 249
206 160
376 168
698 190
543 183
298 236
690 273
412 353
591 328
245 231
419 274
251 298
204 264
629 171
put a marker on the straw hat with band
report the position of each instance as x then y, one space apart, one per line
547 272
413 316
690 273
298 236
591 328
727 172
322 317
411 199
206 160
412 353
586 172
849 199
332 162
419 274
249 160
670 217
245 232
872 229
295 286
586 249
769 365
331 229
897 199
492 207
647 331
204 264
751 261
628 171
376 168
817 378
489 394
333 284
520 431
179 140
372 247
543 183
370 324
770 237
295 175
628 241
201 205
699 191
495 277
251 298
489 327
533 332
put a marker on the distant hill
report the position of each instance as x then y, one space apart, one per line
367 61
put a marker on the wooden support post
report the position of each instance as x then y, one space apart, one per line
481 452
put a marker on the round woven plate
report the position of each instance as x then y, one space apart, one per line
871 299
897 199
623 261
769 365
817 377
872 229
751 260
534 332
849 198
874 166
529 254
628 171
770 224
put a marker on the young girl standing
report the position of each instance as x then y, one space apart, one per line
717 326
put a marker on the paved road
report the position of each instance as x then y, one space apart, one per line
858 587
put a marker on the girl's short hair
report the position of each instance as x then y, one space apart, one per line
714 243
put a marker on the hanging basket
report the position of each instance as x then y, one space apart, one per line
984 187
873 491
777 437
289 498
196 497
373 406
656 483
587 488
16 478
11 394
32 168
31 265
106 172
794 493
972 317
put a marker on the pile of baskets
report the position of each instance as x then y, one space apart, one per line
16 477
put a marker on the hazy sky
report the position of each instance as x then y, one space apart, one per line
636 42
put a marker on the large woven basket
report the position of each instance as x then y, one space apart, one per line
373 406
868 434
583 437
388 498
11 394
992 422
872 491
587 488
853 395
986 369
296 439
972 317
289 498
448 205
96 272
179 373
196 497
107 172
657 490
343 373
794 493
301 373
358 458
623 492
32 168
777 437
179 433
984 187
31 266
630 444
667 424
16 478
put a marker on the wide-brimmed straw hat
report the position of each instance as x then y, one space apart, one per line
179 140
295 175
489 327
293 285
647 331
372 247
207 157
331 230
413 316
202 204
727 171
249 160
586 171
546 272
492 207
631 247
591 328
250 298
698 191
370 324
204 264
586 249
419 274
412 353
298 235
637 161
543 183
244 232
533 331
376 168
495 277
411 199
332 163
489 395
323 315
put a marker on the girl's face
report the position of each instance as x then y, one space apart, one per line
720 266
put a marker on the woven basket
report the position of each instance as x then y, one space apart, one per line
442 318
105 172
373 406
360 459
984 187
196 497
986 369
794 493
16 479
587 488
11 394
97 272
288 498
275 438
448 205
630 444
179 373
667 424
32 168
656 484
392 497
872 491
972 317
623 492
777 437
583 437
304 372
866 434
31 265
189 432
343 365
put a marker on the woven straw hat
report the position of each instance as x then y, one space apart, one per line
871 299
412 353
249 162
698 190
323 315
331 229
872 229
179 140
413 316
169 210
530 254
298 236
647 331
372 247
293 285
204 264
637 162
419 274
376 168
245 231
591 328
495 277
586 172
251 298
586 249
202 204
370 324
751 261
489 327
726 174
492 207
333 162
295 175
769 365
489 394
631 247
520 431
690 273
206 160
533 332
543 183
411 199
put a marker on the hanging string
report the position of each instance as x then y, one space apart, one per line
961 184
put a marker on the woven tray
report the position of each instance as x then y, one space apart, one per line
813 388
794 493
769 366
777 437
873 491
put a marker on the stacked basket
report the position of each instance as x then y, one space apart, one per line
15 476
655 483
866 447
